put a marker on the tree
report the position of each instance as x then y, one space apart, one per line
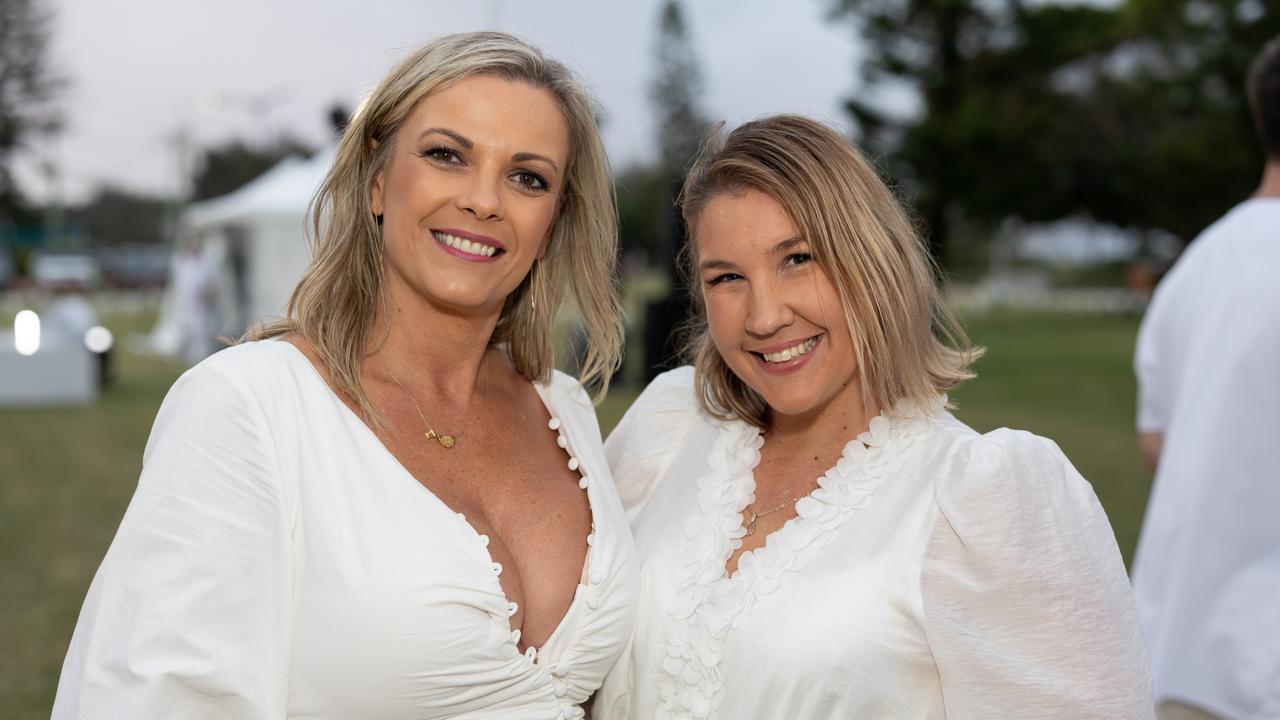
1133 115
225 167
115 216
28 87
676 87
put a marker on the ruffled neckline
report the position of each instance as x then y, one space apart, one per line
711 603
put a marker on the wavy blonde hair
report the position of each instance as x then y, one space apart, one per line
335 302
907 343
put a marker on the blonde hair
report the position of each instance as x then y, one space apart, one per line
907 343
335 302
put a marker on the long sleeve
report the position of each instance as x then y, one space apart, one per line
188 616
1027 608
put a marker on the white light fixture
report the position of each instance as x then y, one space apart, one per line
26 332
98 339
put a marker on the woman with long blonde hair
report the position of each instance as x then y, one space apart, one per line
389 504
818 536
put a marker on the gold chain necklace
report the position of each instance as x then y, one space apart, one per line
750 524
444 440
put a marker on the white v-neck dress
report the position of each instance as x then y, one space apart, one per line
935 573
278 562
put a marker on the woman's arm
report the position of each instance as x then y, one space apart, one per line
1028 610
188 616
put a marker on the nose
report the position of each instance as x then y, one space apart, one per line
481 196
768 310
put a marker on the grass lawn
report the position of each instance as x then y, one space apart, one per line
66 474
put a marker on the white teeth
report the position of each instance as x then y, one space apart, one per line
791 352
466 246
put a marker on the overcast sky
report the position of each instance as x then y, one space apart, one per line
139 70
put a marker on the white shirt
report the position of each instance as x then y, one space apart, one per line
935 573
1207 570
278 562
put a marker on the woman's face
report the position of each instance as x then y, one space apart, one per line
469 195
773 314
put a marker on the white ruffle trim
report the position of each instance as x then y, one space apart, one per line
710 604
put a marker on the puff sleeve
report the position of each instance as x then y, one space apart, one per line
644 442
188 616
1028 611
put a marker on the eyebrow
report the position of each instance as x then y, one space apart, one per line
782 247
467 145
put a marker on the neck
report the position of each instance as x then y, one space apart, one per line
438 353
838 421
1270 186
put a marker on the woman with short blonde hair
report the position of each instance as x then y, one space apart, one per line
818 536
389 504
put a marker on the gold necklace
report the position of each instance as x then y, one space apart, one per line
445 441
750 524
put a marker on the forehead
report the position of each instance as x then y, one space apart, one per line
748 222
502 115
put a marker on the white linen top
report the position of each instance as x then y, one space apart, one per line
934 573
277 561
1207 571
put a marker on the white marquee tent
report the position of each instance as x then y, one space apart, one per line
253 241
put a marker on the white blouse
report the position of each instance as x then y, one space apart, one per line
934 573
278 562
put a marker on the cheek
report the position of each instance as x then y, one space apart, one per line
725 322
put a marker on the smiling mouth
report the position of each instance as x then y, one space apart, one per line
464 245
791 353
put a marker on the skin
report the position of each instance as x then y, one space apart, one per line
763 292
484 156
1151 443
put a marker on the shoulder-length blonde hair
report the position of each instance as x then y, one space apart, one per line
907 343
335 303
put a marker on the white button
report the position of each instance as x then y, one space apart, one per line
582 483
562 441
484 540
554 423
591 539
512 609
561 689
597 577
531 653
573 463
515 636
497 568
593 600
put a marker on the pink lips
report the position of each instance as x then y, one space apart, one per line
790 366
473 237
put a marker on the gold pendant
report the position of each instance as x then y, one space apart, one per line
444 441
750 524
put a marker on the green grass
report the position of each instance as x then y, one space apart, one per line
66 474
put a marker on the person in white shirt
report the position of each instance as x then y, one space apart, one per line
819 537
1206 573
389 505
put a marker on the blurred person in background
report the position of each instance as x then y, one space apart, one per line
195 288
818 536
389 505
1206 572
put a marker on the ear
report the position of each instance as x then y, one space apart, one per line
375 193
375 190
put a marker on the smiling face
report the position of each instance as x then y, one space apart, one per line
469 195
772 313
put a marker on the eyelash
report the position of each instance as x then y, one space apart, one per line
528 180
792 260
